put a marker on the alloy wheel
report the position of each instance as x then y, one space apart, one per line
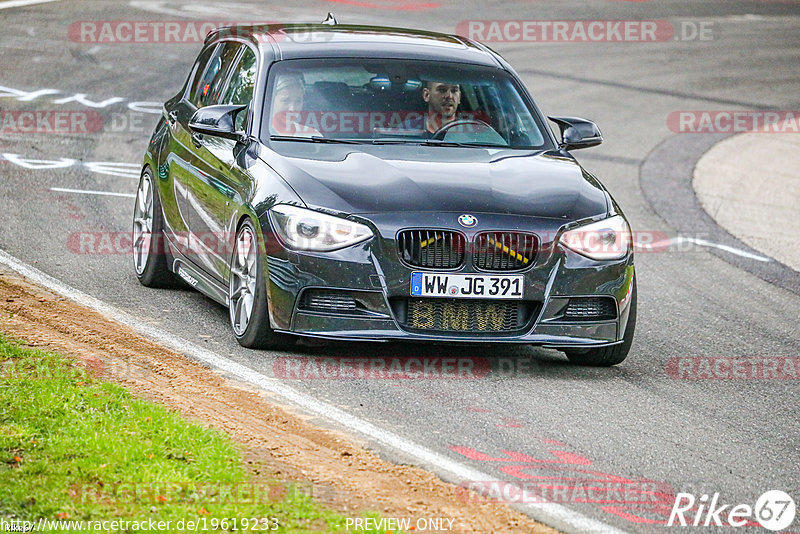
243 280
143 223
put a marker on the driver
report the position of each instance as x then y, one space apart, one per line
443 100
287 106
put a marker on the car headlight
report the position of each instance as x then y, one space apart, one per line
306 229
609 239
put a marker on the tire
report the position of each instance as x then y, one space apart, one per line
247 294
149 246
608 356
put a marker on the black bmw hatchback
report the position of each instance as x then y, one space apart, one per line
369 183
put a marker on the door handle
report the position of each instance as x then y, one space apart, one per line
197 139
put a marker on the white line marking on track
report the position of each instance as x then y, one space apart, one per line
703 243
115 168
111 168
551 514
732 250
102 193
20 3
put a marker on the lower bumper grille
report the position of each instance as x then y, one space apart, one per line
591 309
328 301
469 316
324 301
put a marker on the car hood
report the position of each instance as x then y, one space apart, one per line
404 178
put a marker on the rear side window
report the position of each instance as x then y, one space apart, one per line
210 85
201 67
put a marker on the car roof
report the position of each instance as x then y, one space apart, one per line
296 41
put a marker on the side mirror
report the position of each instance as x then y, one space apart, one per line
577 133
218 121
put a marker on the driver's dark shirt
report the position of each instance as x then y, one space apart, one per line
417 124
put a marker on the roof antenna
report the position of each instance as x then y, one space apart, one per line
330 20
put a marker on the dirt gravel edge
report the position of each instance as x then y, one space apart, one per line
275 442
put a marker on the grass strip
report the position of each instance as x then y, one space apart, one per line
73 447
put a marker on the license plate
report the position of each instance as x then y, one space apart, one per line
466 286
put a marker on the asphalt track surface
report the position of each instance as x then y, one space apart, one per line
632 422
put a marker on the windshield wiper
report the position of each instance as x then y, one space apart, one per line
436 142
421 142
313 139
396 141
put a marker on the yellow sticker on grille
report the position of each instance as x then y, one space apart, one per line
457 316
491 318
429 241
424 315
510 251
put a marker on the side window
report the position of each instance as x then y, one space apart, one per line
209 90
241 85
205 69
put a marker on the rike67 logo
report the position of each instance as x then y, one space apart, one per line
774 510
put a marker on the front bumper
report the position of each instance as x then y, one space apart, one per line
377 278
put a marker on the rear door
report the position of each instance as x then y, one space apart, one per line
173 171
179 160
224 185
191 182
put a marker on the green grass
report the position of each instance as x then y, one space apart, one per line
78 448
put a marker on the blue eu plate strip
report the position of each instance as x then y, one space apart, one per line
416 283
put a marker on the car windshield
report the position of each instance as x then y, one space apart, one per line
390 101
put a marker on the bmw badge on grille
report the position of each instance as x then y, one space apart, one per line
467 221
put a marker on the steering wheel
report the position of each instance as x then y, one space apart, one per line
441 132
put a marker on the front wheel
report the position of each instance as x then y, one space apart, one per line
247 294
608 356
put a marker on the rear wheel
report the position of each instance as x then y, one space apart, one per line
149 247
608 356
249 313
